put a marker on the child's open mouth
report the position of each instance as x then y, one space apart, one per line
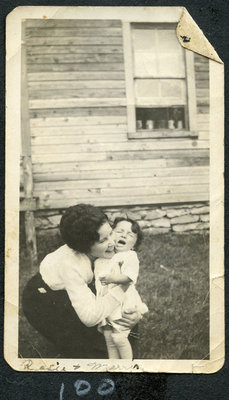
121 242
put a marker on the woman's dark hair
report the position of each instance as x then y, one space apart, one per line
134 227
79 226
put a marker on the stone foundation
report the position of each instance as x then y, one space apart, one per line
152 219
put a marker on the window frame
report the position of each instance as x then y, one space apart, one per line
133 133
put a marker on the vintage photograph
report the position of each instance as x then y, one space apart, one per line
115 197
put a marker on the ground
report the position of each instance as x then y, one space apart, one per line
173 282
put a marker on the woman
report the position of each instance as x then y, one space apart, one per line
60 302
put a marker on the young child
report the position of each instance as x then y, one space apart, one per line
122 269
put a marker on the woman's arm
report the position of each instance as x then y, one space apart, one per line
114 278
91 309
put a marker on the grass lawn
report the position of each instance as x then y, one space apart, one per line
173 282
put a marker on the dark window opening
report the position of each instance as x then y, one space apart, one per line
160 118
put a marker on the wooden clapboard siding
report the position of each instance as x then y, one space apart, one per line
125 200
138 146
93 166
78 124
75 40
202 95
201 65
83 84
77 139
77 111
77 121
90 193
75 76
110 165
62 32
119 155
111 129
100 49
76 93
75 103
71 67
75 59
120 183
68 23
71 175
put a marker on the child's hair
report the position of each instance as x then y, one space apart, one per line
79 226
134 227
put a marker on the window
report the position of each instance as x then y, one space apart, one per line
159 81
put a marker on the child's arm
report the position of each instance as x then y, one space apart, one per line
115 278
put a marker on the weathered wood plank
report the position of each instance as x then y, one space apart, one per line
74 139
63 157
129 74
72 58
202 84
128 200
164 154
127 155
79 130
75 93
91 193
75 84
163 134
39 122
121 154
199 67
85 102
123 173
75 76
205 109
188 161
76 67
191 90
74 40
71 23
77 111
139 146
120 183
103 49
93 166
61 32
200 92
201 75
202 101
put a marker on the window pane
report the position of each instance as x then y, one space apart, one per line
157 53
160 92
171 65
144 39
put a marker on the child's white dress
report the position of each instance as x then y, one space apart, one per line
126 263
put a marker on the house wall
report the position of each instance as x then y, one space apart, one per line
78 124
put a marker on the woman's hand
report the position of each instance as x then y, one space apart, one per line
130 318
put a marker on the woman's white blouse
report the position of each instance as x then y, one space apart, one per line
69 270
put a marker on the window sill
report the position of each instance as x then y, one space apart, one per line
162 134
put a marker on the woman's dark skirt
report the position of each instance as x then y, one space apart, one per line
51 313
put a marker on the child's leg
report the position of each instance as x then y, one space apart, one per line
122 344
111 346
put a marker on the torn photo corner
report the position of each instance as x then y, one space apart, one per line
122 109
